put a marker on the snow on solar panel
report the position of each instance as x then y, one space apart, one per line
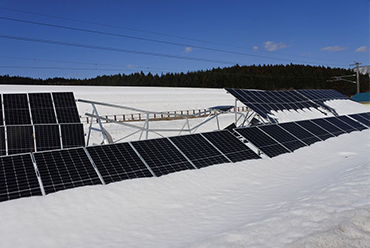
315 129
299 132
199 150
18 177
117 162
162 156
64 169
323 123
262 141
283 137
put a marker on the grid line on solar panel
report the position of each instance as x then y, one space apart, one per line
2 141
315 129
42 108
161 156
336 131
283 137
340 124
65 106
360 119
72 135
200 152
16 109
352 122
117 162
301 133
231 146
20 139
47 137
18 177
262 141
64 169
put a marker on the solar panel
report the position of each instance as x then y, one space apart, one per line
199 150
42 108
16 109
47 137
18 177
283 137
361 118
64 169
315 129
72 135
263 142
162 156
340 124
117 162
229 145
323 123
65 107
20 139
299 132
2 141
352 122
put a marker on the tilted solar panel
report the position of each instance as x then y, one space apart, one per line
352 122
117 162
20 139
315 129
16 109
64 169
18 177
47 137
66 108
262 141
340 124
361 118
301 133
323 123
283 137
229 145
199 150
162 156
72 135
42 108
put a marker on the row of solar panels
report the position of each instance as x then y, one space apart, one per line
32 122
46 172
263 102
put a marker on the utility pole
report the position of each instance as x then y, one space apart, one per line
357 75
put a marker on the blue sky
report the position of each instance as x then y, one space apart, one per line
84 39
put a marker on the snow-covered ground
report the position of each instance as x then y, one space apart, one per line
318 196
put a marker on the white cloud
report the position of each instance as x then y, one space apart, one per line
362 49
272 46
255 48
333 48
188 49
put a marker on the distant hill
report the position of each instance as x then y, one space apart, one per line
266 77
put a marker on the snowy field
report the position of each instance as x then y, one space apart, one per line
318 196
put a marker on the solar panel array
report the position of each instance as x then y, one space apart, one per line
45 172
263 102
32 122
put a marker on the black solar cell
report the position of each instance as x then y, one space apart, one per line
315 129
2 141
65 106
282 137
20 139
18 177
162 156
301 133
72 135
117 162
328 126
262 141
16 109
47 137
199 150
229 145
64 169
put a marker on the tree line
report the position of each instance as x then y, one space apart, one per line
264 77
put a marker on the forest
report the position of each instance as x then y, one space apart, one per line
264 77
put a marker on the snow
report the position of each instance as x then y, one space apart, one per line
318 196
